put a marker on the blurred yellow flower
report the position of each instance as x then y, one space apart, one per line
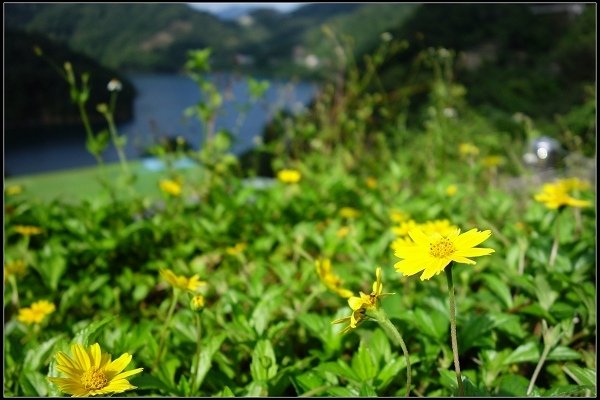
349 212
492 161
170 187
451 190
237 249
364 302
440 226
91 372
36 313
28 230
468 149
432 253
404 228
343 232
14 190
14 268
289 176
332 281
573 184
182 282
555 195
401 241
398 216
371 182
197 303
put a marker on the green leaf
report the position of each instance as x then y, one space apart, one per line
562 353
264 364
475 332
367 391
448 379
149 382
34 383
571 391
473 391
87 334
500 289
363 363
256 389
207 352
380 345
340 369
308 381
431 323
528 352
582 376
513 386
546 296
389 371
226 392
35 357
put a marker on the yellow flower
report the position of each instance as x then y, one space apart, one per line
28 230
237 249
36 313
361 304
401 241
349 212
343 232
398 216
371 182
14 190
441 226
197 303
555 195
573 184
468 149
171 187
289 176
181 282
404 228
16 268
432 253
332 281
451 190
91 372
492 161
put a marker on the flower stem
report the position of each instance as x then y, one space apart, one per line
198 347
554 251
538 368
165 326
395 336
461 390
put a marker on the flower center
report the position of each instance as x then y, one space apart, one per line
442 248
94 379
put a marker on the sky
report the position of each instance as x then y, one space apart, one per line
215 7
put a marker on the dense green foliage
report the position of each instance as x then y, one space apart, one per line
526 313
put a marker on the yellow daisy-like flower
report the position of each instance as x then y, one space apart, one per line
197 303
36 313
170 187
371 182
401 241
492 161
404 228
91 372
237 249
364 302
28 230
349 212
343 232
289 176
555 195
572 184
398 216
432 253
451 190
182 282
14 268
332 281
468 149
14 190
441 226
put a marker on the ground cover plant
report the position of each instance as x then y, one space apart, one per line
382 259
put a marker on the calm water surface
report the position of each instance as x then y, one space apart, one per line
158 111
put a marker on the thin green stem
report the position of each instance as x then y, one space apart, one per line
15 292
396 337
538 368
195 383
555 244
165 327
461 390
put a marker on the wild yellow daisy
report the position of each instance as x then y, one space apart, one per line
14 190
349 212
36 313
14 268
371 182
441 226
197 303
451 190
343 232
289 176
170 187
432 253
468 149
28 230
398 216
404 228
558 194
91 372
329 279
362 303
182 282
492 161
237 249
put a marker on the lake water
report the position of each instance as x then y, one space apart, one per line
158 111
